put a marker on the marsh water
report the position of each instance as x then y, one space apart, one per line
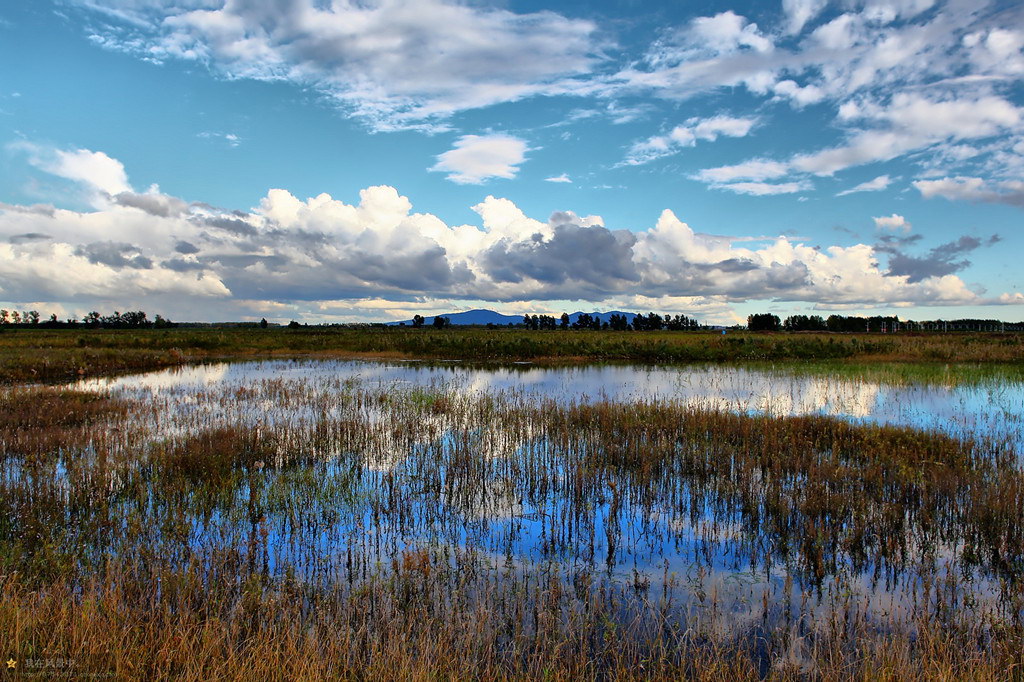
952 400
674 489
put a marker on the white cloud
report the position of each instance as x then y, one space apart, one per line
232 139
558 178
95 170
800 96
862 51
394 63
973 189
799 12
760 189
754 169
476 158
728 32
289 251
874 185
727 126
687 135
911 122
893 222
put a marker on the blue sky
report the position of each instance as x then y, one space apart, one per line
341 161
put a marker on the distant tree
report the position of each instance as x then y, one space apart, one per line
804 323
539 322
652 322
565 320
53 317
33 317
618 322
546 322
294 325
417 321
441 322
763 322
263 323
5 316
16 316
161 322
582 322
680 323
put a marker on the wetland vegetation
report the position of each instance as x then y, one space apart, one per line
36 354
303 520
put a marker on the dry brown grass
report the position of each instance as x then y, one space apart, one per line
292 530
37 355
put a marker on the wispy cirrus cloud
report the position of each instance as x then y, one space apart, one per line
687 135
391 63
973 189
874 185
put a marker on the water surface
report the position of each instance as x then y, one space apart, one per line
993 405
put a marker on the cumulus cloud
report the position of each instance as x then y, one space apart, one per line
799 95
288 251
476 158
728 32
95 170
152 202
893 222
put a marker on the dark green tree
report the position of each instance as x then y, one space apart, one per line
763 322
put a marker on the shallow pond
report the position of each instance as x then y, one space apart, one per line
743 496
993 404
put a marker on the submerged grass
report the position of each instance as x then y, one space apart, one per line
39 422
36 355
300 530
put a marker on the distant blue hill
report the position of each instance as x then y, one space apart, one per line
471 317
484 317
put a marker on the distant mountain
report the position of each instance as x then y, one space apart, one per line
483 317
471 317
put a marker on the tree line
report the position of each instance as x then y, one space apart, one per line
615 322
878 323
133 319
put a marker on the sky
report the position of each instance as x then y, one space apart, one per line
338 161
